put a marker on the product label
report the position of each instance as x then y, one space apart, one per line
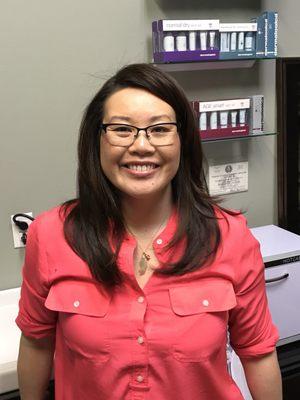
169 43
190 25
238 27
234 104
276 35
288 260
257 114
266 37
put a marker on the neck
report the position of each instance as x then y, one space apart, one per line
143 215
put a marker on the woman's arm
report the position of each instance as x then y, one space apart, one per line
34 366
263 377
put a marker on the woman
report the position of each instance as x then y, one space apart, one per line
135 282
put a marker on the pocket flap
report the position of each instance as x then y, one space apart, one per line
79 297
209 295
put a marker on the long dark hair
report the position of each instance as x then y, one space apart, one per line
93 222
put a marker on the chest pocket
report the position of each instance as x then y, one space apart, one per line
201 315
82 308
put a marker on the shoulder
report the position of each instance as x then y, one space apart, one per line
231 222
48 223
234 231
52 217
239 251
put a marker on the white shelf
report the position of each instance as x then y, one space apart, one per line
205 65
246 137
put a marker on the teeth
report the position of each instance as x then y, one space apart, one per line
141 168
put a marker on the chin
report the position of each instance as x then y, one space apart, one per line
146 193
141 195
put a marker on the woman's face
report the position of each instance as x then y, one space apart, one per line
127 168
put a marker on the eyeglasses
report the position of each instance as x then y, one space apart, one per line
124 135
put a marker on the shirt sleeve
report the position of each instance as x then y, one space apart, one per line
252 332
34 319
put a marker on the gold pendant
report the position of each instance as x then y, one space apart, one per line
143 263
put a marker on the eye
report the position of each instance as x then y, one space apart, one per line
160 129
121 130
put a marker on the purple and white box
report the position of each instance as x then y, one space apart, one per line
223 118
185 40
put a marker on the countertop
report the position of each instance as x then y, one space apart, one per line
9 339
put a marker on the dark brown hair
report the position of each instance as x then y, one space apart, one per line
96 213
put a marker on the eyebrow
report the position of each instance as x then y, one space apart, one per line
128 119
159 117
119 117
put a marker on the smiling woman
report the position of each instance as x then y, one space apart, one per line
141 276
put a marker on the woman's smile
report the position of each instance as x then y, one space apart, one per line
140 168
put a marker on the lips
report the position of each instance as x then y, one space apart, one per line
140 167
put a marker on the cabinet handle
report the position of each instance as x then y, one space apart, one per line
279 278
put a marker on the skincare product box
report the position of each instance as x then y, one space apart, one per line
238 40
256 118
267 34
185 40
223 118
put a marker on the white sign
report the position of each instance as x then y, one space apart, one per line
238 27
190 24
228 178
224 105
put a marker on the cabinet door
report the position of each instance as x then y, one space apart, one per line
284 297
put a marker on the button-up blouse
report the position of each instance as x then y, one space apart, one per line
167 341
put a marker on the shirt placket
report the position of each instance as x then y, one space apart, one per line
139 379
139 383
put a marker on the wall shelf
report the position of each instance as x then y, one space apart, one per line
250 136
206 65
209 65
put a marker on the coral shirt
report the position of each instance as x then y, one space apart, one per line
167 341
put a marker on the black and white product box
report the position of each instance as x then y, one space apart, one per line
256 119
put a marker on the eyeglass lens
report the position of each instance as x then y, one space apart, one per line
125 135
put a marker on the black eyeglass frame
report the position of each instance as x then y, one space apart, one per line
104 127
135 136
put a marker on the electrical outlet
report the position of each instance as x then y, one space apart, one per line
17 234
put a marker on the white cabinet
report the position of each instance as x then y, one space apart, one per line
284 298
281 254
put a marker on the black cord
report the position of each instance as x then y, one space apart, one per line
22 225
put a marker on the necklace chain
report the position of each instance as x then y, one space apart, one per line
145 258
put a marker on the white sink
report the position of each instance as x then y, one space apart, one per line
9 339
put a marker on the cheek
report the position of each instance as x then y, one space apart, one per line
174 159
174 165
108 158
104 160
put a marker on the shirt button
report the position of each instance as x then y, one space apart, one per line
140 340
76 303
205 303
159 241
139 378
140 299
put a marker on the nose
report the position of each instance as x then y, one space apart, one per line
142 144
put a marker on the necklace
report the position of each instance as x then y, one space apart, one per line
145 258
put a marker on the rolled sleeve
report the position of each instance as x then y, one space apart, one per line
34 319
252 332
